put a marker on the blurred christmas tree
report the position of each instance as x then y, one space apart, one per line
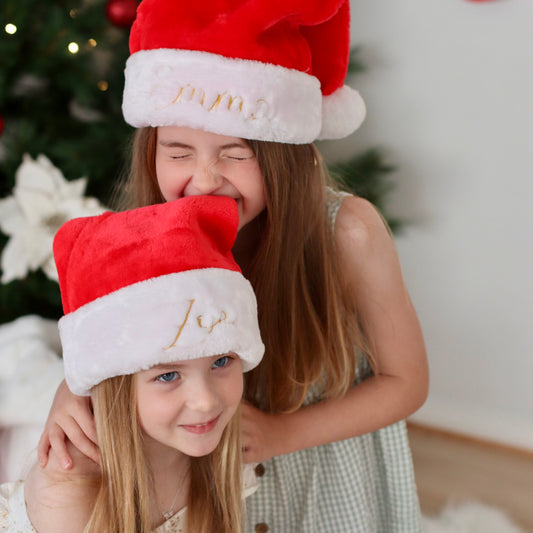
61 82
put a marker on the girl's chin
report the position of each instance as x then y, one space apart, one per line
201 451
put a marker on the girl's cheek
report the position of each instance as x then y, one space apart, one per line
170 189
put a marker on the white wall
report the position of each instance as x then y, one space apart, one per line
449 90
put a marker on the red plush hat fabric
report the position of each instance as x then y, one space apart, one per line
152 285
125 248
305 35
264 70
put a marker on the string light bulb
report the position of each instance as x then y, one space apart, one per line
103 85
73 48
10 29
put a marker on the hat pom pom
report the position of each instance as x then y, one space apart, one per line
343 112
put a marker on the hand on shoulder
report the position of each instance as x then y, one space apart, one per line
61 500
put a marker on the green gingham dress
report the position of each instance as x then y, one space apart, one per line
360 485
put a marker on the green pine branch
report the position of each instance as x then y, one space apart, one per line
368 175
43 87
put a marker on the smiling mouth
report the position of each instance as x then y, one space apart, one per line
199 429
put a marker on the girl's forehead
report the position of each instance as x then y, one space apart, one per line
195 135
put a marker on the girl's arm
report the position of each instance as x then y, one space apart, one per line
372 269
70 418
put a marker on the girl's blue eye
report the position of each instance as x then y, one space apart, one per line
221 362
168 377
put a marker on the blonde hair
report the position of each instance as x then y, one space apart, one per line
308 323
123 503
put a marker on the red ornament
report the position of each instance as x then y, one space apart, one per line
121 13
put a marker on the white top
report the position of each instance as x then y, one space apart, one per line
14 518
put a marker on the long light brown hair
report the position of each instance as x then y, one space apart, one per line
123 503
308 323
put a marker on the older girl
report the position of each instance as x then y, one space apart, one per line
228 103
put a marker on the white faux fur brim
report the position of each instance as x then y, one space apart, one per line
236 97
186 315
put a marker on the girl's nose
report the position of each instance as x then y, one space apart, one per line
202 396
206 178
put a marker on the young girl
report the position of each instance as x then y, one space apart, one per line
345 361
160 341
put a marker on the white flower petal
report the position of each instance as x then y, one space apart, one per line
42 201
73 189
37 188
14 262
82 207
49 268
35 205
37 175
11 219
56 176
38 244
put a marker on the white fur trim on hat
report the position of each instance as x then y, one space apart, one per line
180 316
237 97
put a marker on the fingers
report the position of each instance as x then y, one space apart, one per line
246 456
71 430
249 447
56 437
256 434
85 443
42 449
83 417
248 432
253 454
70 419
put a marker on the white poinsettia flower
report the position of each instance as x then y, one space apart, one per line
42 201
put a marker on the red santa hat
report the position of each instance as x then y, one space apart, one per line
153 285
267 70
